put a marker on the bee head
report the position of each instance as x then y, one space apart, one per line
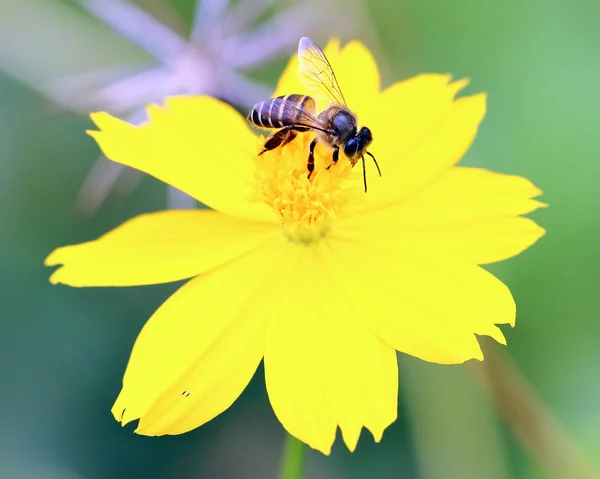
356 146
365 136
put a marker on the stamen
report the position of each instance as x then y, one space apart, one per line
306 207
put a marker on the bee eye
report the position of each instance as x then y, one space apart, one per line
366 135
351 147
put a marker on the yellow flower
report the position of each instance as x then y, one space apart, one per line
323 281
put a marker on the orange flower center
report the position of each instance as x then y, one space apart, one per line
306 207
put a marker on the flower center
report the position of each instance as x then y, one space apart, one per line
306 207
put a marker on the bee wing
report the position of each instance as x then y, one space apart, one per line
316 73
280 111
297 115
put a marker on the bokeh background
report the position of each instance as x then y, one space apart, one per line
63 350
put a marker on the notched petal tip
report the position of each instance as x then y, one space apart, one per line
351 435
522 186
153 109
457 85
325 450
477 103
377 431
54 258
474 351
123 414
541 231
536 232
496 333
377 434
455 88
64 275
55 277
142 430
57 257
103 119
60 257
476 354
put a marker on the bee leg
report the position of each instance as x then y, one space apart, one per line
310 166
335 157
280 138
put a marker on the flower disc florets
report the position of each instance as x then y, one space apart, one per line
306 207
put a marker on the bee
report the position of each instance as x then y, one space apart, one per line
336 126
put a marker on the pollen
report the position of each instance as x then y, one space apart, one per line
306 207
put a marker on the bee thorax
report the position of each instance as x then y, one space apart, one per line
340 125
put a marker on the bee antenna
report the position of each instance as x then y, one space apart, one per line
364 172
374 161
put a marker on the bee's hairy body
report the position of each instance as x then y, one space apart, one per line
336 126
339 125
281 111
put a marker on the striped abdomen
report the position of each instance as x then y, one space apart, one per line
282 111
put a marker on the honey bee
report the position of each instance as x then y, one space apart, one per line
336 126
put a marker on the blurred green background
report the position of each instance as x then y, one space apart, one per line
63 350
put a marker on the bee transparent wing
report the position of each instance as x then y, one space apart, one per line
295 114
316 73
282 111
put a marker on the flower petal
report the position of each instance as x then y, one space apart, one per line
358 75
469 213
198 352
324 368
359 90
420 306
197 144
419 132
158 248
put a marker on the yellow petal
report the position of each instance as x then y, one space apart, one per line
469 213
354 67
197 144
358 76
420 306
324 368
158 248
198 352
419 132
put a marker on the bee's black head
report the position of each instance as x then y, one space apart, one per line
365 136
356 146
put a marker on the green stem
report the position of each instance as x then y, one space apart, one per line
293 459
